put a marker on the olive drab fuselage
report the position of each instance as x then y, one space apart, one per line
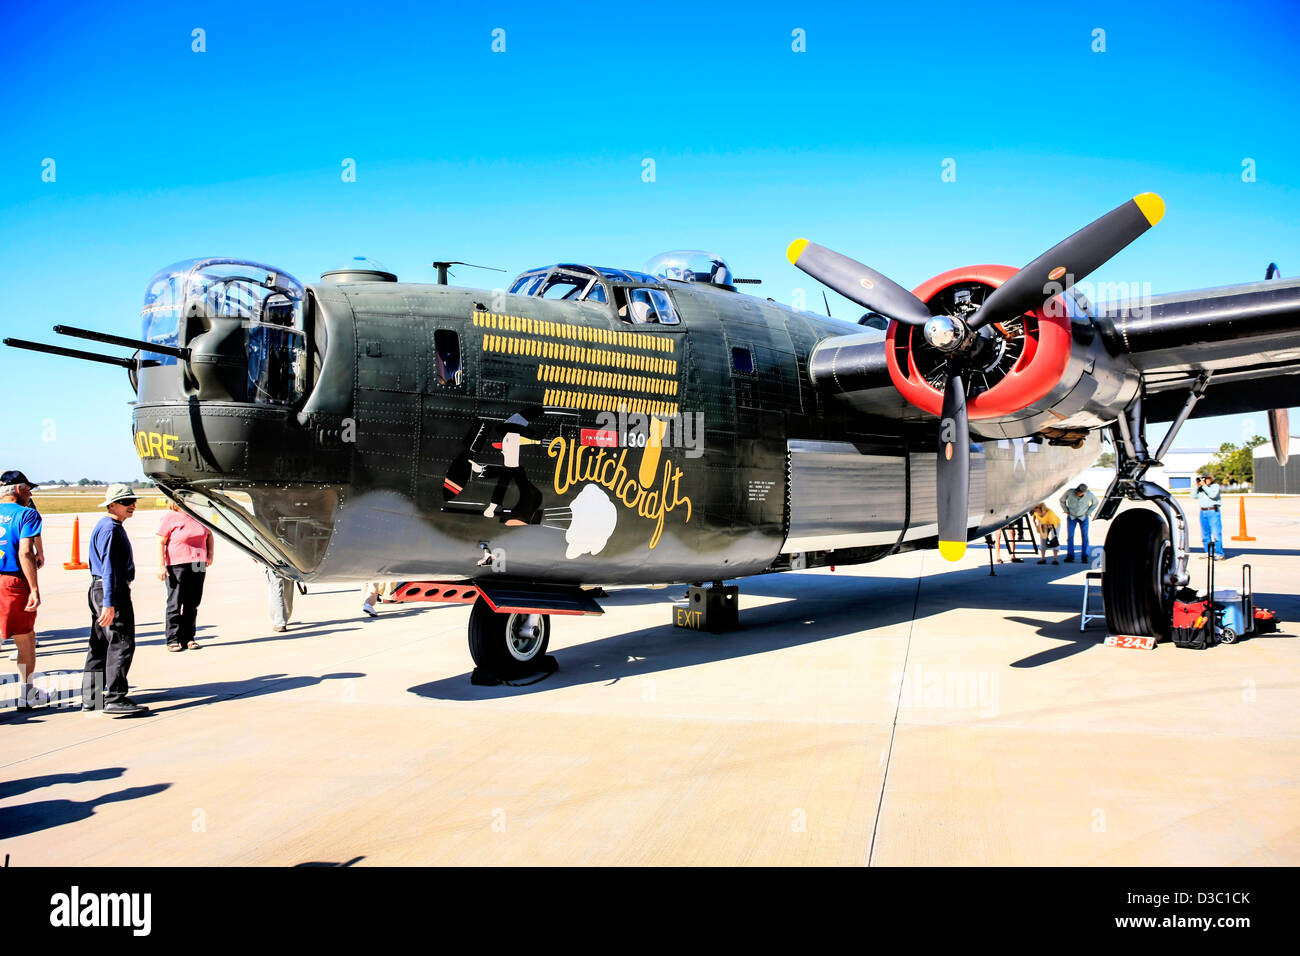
438 431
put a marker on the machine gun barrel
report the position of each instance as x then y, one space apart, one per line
107 339
72 353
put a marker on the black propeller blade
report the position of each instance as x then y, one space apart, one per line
858 283
1070 260
952 475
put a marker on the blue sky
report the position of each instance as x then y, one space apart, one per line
535 155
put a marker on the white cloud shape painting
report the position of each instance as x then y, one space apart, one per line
594 518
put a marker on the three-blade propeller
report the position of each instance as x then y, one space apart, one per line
1055 271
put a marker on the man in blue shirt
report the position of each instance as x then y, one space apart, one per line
112 617
1210 496
20 593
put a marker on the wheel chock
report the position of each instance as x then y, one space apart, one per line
546 666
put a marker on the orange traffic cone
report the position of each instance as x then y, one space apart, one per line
1242 518
75 564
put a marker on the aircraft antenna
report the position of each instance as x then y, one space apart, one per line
444 269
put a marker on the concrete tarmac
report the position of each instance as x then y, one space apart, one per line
898 713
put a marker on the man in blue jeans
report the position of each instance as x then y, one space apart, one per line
1078 504
112 615
1210 497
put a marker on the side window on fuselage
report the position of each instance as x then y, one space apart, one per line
446 345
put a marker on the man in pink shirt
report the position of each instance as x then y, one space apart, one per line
184 553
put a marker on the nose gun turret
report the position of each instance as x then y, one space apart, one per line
222 372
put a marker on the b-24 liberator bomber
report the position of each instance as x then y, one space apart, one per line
599 426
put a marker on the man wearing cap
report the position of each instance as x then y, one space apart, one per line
1078 504
20 594
112 618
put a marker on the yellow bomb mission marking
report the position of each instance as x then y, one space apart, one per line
154 445
575 463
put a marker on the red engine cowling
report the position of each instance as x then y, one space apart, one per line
1017 366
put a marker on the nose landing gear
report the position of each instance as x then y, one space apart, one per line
506 647
510 627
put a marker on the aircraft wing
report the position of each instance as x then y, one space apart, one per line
1246 336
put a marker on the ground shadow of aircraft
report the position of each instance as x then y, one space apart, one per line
826 608
47 814
327 863
53 642
11 788
196 695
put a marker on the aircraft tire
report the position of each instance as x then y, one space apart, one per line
1138 552
507 645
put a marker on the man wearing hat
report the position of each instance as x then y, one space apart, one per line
112 618
1078 504
20 593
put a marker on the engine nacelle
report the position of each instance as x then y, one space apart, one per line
1045 372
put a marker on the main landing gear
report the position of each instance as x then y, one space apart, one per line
1146 551
1137 587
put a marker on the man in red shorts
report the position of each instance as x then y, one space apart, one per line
20 593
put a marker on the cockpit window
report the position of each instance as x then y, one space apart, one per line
563 286
527 283
663 307
645 306
640 309
572 282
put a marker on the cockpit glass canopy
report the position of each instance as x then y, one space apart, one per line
573 283
217 288
690 265
576 283
564 286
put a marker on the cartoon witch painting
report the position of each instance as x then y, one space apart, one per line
512 434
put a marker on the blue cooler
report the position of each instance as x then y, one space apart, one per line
1229 610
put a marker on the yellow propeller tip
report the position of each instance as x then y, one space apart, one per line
796 250
952 550
1152 206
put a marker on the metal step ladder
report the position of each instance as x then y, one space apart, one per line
1086 615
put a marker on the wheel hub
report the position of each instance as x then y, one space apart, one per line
524 635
